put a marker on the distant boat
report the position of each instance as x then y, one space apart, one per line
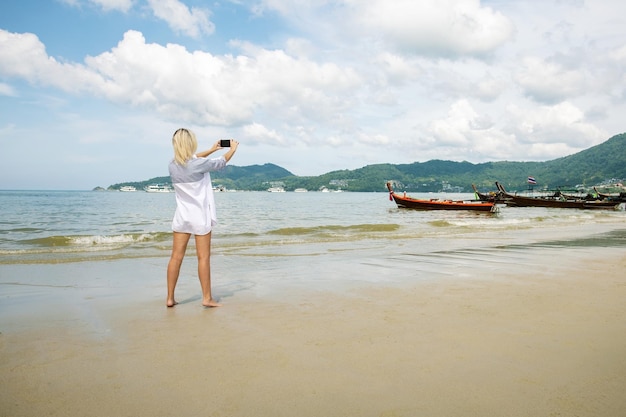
276 190
435 204
557 200
300 190
127 188
158 189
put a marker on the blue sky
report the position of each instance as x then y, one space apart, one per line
92 90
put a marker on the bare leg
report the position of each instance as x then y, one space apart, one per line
179 246
203 250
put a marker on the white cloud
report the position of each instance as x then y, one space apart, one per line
397 69
548 81
194 87
440 28
24 56
452 130
192 22
106 5
465 134
466 79
121 5
446 28
7 90
619 54
525 133
372 139
262 134
490 88
563 123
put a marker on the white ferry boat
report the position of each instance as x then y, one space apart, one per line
158 189
276 190
127 188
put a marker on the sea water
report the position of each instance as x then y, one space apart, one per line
269 244
74 226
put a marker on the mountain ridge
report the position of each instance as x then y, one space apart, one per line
589 167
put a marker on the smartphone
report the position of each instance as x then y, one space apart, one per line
225 143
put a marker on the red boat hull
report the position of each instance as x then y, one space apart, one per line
434 204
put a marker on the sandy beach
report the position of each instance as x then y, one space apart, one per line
485 342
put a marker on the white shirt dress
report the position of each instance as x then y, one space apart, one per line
195 203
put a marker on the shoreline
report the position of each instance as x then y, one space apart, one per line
463 339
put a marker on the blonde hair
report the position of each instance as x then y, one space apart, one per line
185 145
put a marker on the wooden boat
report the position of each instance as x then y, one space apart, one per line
587 197
435 204
621 197
491 196
558 201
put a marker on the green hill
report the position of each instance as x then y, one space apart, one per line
589 167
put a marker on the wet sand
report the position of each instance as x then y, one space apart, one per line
486 342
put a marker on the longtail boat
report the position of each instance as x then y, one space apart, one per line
620 197
491 196
435 204
587 197
558 201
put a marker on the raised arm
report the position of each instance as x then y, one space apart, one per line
232 150
216 147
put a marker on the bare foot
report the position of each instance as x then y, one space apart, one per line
171 303
211 303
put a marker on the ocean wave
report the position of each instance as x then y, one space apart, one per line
57 256
335 230
97 240
78 248
20 230
441 223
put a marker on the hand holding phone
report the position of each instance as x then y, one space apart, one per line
225 143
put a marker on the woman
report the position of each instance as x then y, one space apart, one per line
195 208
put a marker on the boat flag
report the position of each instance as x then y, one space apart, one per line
531 180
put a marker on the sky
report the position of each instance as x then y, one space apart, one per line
91 91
